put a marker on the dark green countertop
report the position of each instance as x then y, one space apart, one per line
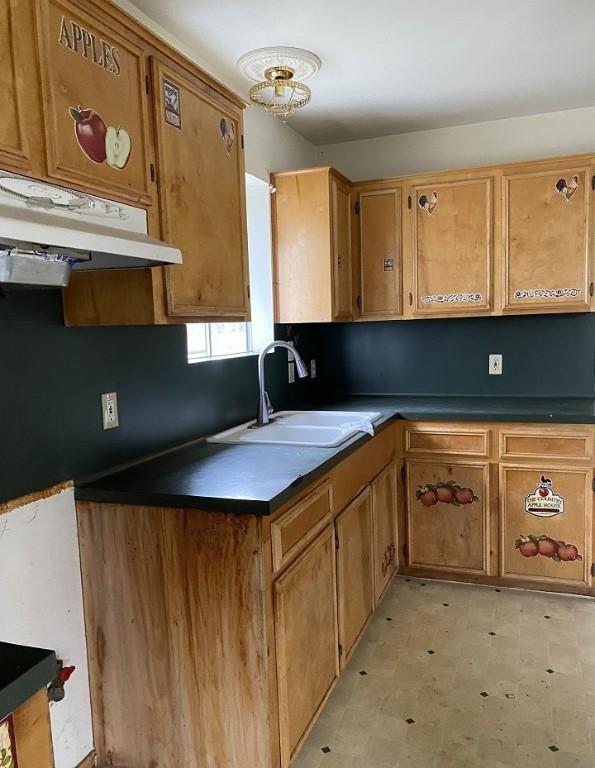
258 479
23 671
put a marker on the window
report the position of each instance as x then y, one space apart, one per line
208 341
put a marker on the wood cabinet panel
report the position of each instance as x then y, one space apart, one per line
19 104
543 509
384 516
547 239
32 732
452 247
94 101
380 253
341 249
447 516
445 440
299 525
201 191
568 445
355 576
306 639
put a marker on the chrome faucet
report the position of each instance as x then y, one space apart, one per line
264 404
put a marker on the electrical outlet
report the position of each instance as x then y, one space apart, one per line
291 372
312 369
495 365
109 410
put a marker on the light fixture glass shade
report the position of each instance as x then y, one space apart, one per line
279 93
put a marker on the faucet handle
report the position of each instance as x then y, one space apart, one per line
267 403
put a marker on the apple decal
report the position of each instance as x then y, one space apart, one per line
90 132
117 147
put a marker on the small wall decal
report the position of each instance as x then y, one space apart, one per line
173 106
389 265
98 142
428 202
543 502
567 188
8 751
228 133
544 545
451 298
446 493
547 293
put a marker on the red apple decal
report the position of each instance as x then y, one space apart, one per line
543 492
547 547
464 496
448 492
90 131
544 545
428 498
445 494
568 552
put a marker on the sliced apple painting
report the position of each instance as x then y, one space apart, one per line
98 142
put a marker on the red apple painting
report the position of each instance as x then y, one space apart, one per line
99 142
446 493
560 551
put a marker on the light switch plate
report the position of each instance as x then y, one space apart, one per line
495 364
312 369
109 410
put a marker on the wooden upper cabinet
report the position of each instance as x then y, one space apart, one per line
451 247
312 246
546 230
384 515
202 196
19 104
94 85
380 265
355 576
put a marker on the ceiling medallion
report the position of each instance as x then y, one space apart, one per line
279 75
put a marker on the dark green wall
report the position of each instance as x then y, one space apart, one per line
543 355
51 379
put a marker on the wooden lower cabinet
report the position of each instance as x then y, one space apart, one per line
384 517
546 524
447 517
306 639
355 575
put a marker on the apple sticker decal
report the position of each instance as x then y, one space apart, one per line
117 147
90 132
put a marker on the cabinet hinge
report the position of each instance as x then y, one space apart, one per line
404 550
592 569
357 207
410 298
248 291
593 484
358 302
242 141
403 473
590 289
336 540
592 182
152 168
409 202
147 84
340 650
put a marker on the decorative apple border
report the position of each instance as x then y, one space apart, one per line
98 142
555 549
447 492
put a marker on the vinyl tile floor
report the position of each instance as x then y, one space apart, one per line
457 676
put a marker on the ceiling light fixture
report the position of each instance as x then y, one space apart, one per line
279 74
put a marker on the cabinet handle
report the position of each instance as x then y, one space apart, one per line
410 298
590 289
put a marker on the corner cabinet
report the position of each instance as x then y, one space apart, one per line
451 225
94 91
199 143
547 239
380 254
312 246
384 514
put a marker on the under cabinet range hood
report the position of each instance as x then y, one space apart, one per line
46 231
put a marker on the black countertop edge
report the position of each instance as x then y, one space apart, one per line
23 671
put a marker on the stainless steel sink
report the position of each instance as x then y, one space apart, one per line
323 429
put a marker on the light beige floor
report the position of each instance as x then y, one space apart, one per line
510 682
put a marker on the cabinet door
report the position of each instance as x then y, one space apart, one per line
380 253
202 198
547 239
452 247
384 512
94 94
341 202
306 639
546 524
19 99
447 516
355 575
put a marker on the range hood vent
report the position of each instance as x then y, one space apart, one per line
46 231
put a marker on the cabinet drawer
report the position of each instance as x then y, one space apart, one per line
459 442
293 531
556 444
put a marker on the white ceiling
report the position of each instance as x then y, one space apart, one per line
393 66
